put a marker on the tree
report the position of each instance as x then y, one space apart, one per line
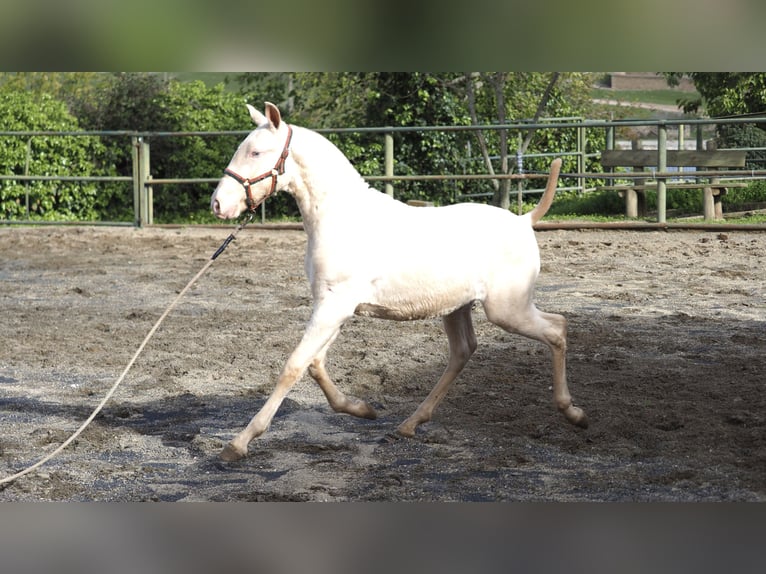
68 87
260 87
731 94
508 97
497 82
725 93
379 99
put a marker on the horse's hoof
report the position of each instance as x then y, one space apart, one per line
576 416
405 431
232 453
361 409
390 438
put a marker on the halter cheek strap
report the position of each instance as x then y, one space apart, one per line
278 169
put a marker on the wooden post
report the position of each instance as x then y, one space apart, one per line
631 194
711 201
142 192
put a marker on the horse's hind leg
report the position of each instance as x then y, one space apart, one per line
339 402
462 344
549 328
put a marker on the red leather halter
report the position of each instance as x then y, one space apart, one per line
279 169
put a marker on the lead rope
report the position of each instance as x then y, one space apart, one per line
84 425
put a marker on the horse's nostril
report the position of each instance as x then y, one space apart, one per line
216 207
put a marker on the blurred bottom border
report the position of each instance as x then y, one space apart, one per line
353 537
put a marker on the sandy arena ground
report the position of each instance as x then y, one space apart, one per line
667 355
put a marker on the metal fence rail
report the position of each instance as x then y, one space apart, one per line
143 182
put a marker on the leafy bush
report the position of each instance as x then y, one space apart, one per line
686 201
747 197
744 135
689 201
147 103
48 155
592 203
192 106
121 102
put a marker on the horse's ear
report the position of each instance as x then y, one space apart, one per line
273 115
258 118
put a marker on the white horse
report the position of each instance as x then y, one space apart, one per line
371 255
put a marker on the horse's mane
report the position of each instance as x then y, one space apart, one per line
325 155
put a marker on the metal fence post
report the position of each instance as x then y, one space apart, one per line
609 141
148 191
662 161
609 137
389 162
26 172
136 187
519 183
581 145
681 137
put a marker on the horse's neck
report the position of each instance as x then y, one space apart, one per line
326 177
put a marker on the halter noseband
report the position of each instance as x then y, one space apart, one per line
278 169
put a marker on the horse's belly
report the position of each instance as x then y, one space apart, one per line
417 303
403 313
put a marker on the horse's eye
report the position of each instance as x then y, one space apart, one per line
255 153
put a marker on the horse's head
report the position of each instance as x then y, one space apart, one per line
253 173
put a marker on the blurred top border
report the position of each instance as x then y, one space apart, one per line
335 35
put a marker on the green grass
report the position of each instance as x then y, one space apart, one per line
728 220
759 218
667 97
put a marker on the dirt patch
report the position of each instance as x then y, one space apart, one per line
667 351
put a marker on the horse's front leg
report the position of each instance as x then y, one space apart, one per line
323 327
339 402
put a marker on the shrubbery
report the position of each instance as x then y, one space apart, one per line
48 155
129 102
148 103
609 203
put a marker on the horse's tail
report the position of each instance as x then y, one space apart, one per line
550 191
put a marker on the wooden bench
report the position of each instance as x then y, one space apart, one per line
420 203
639 159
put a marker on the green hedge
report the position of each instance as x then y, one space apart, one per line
687 201
148 103
48 155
